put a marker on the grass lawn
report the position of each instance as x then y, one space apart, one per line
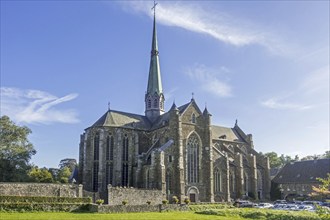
122 216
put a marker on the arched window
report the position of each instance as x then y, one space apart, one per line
259 184
148 185
96 147
96 162
149 103
109 149
193 118
232 181
109 159
193 159
169 181
156 103
246 183
217 180
124 175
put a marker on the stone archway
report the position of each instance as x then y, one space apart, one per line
193 194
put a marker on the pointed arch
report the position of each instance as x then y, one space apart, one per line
124 175
217 180
169 180
193 118
259 184
193 157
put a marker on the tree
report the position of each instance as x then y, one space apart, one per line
40 175
326 154
64 175
323 190
68 162
15 151
274 160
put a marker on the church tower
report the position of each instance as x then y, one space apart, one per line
154 97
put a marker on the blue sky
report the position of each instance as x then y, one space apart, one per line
265 63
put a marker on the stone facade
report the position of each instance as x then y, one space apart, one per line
179 151
41 189
297 179
116 195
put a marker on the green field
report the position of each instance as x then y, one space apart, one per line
123 216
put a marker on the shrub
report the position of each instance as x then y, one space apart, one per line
165 201
44 199
187 201
175 200
99 201
124 202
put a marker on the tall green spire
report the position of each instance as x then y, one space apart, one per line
154 81
154 98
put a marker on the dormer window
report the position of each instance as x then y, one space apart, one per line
193 118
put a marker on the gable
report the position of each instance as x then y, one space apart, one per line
190 111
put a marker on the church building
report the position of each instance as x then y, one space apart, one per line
178 151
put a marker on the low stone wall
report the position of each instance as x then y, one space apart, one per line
137 208
40 189
133 196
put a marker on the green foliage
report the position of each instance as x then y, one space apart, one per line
69 163
41 207
43 199
274 160
322 191
15 151
175 200
99 201
186 200
109 216
252 213
124 202
198 207
148 202
64 175
40 175
165 201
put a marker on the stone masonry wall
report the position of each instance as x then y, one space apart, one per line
40 189
134 196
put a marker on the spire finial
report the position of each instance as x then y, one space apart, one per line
154 8
236 123
192 96
108 106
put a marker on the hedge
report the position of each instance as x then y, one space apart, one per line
46 207
44 199
265 214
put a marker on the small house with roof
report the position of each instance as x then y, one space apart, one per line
296 179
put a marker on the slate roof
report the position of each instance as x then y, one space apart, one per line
230 133
303 171
123 119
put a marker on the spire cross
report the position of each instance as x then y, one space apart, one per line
154 7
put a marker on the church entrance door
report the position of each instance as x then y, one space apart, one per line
192 197
192 193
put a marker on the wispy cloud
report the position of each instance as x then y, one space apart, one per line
284 105
317 82
217 24
314 88
207 78
35 106
169 94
